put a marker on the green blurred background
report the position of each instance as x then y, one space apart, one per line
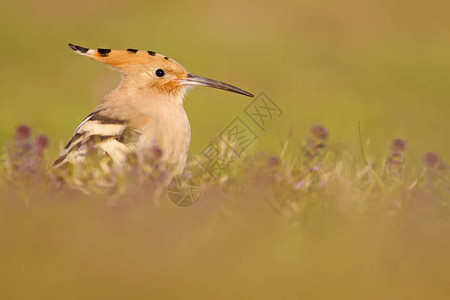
385 63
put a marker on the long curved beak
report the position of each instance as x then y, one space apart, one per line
202 81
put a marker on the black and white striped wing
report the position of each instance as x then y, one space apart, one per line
113 135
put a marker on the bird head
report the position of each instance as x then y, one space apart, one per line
151 71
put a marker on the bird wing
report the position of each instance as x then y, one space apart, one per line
112 129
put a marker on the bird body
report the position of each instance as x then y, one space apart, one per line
144 111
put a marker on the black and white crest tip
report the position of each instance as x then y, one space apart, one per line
78 48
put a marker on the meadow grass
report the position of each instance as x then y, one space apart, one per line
270 226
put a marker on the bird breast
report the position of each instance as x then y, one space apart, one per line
167 128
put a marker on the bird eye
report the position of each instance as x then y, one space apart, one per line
159 72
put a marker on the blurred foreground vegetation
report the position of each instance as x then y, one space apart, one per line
315 226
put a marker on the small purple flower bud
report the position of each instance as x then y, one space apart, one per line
319 131
157 152
431 159
42 142
273 161
398 145
23 132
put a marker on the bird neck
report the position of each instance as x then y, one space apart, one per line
132 91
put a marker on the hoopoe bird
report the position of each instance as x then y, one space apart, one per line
145 110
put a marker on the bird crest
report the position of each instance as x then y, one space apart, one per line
125 60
